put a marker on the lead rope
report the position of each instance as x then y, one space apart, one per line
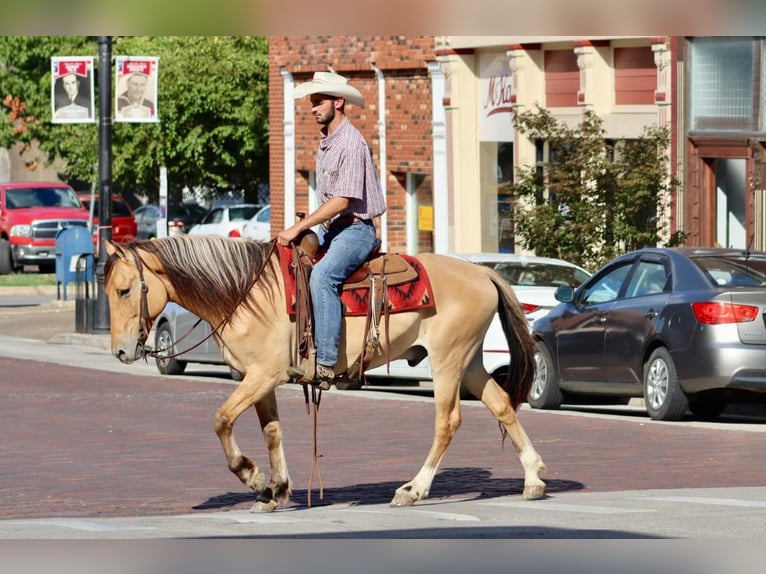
303 345
316 398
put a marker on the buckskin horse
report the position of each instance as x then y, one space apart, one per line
238 287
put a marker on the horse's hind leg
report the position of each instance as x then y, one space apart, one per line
446 423
483 386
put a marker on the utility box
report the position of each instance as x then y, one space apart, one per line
71 243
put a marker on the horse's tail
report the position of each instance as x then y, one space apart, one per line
521 372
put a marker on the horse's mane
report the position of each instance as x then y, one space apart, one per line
211 272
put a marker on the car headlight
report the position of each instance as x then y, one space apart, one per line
21 231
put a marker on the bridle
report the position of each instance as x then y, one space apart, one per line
144 320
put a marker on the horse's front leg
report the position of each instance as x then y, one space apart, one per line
280 486
244 396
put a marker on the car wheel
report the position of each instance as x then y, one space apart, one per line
545 392
664 399
6 261
164 341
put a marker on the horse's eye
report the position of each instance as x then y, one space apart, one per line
123 292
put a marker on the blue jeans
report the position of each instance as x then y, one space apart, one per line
347 248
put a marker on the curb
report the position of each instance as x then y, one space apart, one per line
29 290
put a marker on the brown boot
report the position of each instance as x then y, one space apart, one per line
309 372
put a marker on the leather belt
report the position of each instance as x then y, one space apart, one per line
342 221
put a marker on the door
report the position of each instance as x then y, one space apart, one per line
730 185
634 320
580 339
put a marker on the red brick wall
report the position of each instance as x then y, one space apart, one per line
403 62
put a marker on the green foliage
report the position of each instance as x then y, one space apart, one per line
212 105
594 199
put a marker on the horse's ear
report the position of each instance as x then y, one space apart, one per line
110 247
113 248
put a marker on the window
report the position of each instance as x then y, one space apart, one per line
606 287
649 278
722 92
635 76
562 78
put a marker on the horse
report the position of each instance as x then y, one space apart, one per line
237 286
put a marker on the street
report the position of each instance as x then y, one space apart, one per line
96 449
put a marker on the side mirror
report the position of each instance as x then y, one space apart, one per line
564 294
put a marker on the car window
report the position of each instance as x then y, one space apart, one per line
119 208
606 287
264 216
734 270
243 212
18 198
214 216
649 278
540 274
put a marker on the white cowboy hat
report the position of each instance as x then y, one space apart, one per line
331 84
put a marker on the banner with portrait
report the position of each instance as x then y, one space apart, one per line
72 90
136 89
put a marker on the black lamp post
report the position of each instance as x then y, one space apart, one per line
101 319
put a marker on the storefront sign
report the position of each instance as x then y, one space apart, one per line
495 89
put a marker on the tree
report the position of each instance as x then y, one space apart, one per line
212 104
593 198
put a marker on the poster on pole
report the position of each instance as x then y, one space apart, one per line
136 89
72 90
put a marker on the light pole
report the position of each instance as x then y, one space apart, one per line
101 319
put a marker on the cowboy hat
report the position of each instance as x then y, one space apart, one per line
331 84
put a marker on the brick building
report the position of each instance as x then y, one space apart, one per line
393 75
439 116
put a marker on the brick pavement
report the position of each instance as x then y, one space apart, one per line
85 443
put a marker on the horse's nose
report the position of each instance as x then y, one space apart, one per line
122 355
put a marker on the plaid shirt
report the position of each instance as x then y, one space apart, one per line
345 169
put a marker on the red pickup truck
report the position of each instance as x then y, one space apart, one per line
30 216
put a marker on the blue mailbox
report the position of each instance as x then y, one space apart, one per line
74 256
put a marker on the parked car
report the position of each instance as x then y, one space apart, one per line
181 217
31 214
226 220
545 272
258 227
177 329
682 328
123 222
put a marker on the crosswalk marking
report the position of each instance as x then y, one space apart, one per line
707 500
79 524
562 507
452 516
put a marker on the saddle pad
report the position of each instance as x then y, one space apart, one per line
408 296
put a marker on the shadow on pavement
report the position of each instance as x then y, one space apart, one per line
448 483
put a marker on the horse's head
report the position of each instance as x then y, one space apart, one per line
136 296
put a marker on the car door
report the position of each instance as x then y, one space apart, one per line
635 319
580 330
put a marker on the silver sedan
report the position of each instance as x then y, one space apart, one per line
683 328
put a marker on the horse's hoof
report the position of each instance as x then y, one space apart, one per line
403 499
534 492
260 506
